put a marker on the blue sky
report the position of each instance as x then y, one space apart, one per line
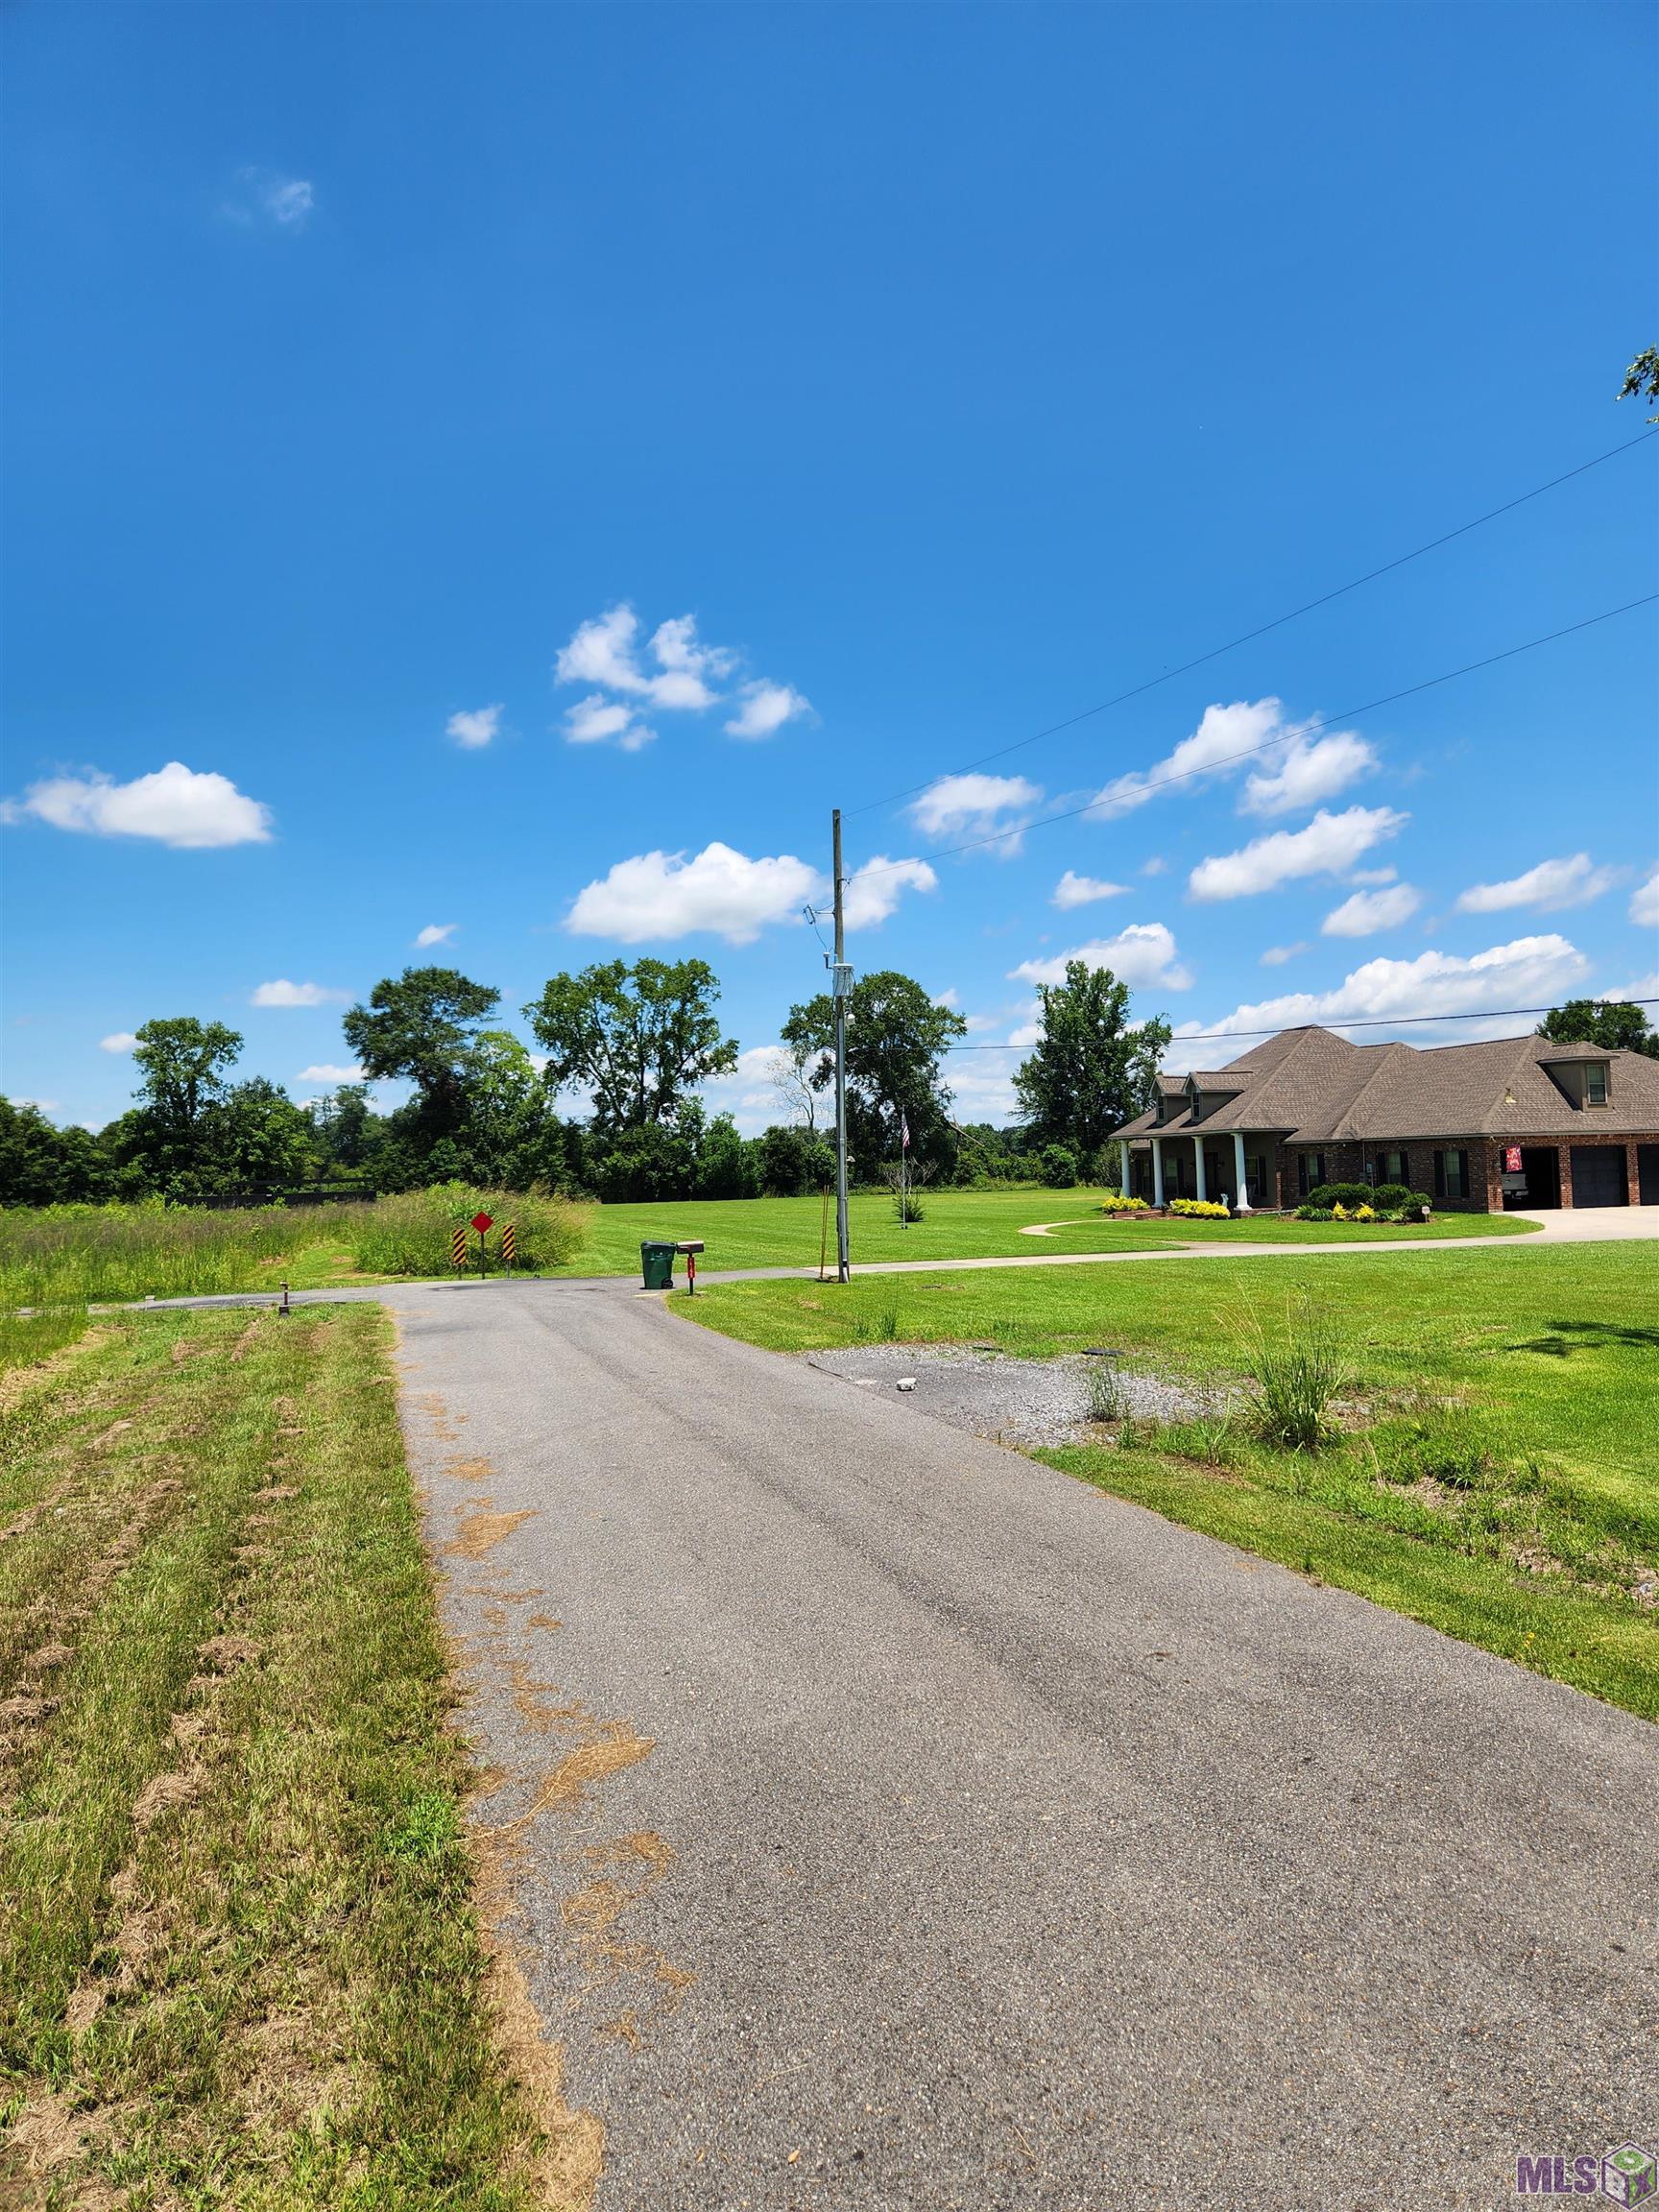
525 465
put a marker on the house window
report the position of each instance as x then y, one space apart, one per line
1451 1174
1390 1167
1256 1176
1596 1083
1309 1172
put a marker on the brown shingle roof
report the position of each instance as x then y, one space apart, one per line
1310 1085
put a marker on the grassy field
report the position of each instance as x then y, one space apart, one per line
239 1949
1495 1470
75 1254
957 1225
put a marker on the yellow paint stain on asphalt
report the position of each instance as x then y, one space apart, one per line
481 1530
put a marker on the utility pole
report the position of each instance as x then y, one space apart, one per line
840 978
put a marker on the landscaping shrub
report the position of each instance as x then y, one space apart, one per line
1059 1166
1349 1194
1390 1197
1115 1202
1202 1208
1105 1392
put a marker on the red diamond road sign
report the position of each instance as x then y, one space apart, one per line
483 1221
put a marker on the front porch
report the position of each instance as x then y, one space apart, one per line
1229 1166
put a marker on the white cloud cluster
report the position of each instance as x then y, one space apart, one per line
872 891
174 805
1366 912
976 806
664 894
1328 845
282 992
1644 903
1309 770
1075 890
435 933
326 1071
723 892
474 726
123 1041
1143 954
264 196
672 671
1549 888
1529 972
1276 955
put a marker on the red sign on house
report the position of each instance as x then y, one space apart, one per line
483 1221
1512 1159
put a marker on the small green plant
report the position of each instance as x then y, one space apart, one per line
1208 1437
1115 1202
1200 1209
1297 1376
1104 1390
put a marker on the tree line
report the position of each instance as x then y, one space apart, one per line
637 1044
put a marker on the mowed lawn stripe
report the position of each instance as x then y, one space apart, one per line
238 1947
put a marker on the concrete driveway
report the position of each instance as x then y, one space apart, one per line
895 1824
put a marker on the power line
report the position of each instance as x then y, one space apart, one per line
1368 1022
1278 622
1286 738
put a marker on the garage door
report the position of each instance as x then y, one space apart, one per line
1599 1175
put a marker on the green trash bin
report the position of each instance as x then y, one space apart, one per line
657 1266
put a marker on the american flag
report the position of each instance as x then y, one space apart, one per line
903 1134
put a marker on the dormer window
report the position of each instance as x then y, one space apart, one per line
1596 1083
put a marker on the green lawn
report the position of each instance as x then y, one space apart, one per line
1498 1469
239 1955
957 1225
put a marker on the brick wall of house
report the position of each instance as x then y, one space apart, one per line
1345 1163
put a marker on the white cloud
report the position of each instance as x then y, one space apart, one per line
1644 903
973 805
982 1086
597 720
664 894
174 804
765 708
1223 732
326 1071
872 892
1549 888
1530 971
435 933
474 726
282 992
123 1041
1374 876
1075 890
1276 955
1329 846
41 1105
1156 866
1367 911
674 671
1309 774
750 1092
262 195
1141 955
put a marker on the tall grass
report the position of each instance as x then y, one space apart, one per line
59 1256
1297 1376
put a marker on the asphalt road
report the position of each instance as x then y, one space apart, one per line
896 1823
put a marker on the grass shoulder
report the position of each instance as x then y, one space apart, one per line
238 1937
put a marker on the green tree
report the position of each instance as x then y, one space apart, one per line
1089 1071
1642 378
897 1039
422 1027
640 1039
349 1133
1613 1025
255 1137
729 1165
181 1066
41 1165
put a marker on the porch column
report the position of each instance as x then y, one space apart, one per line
1124 1166
1157 1170
1242 1196
1198 1157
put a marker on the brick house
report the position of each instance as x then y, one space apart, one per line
1517 1122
